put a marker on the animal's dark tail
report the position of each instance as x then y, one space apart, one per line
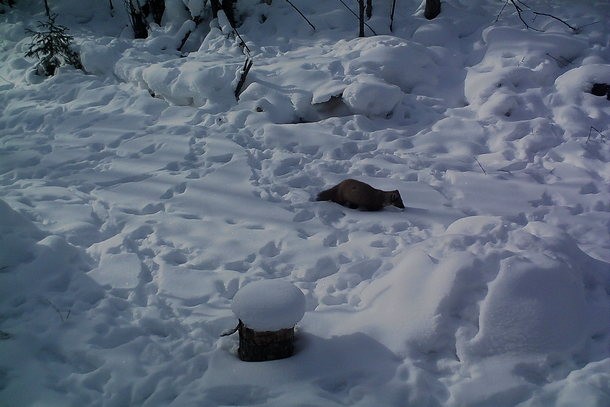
327 195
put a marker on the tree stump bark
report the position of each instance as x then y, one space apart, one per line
257 346
433 9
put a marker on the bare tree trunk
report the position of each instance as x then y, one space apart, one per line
369 9
215 7
433 9
157 8
392 15
47 9
361 18
228 7
137 18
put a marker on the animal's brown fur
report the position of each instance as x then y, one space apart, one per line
360 195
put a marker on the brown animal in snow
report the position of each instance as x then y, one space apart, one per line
360 195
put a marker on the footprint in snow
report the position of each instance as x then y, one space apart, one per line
336 238
151 148
270 250
303 216
220 158
178 189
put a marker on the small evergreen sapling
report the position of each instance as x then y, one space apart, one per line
52 46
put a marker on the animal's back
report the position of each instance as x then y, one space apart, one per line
354 194
360 195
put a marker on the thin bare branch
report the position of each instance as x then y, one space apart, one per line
244 73
517 4
480 165
356 15
302 15
501 10
59 312
561 61
598 132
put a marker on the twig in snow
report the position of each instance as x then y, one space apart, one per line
520 14
242 79
302 15
579 29
59 312
598 132
561 61
501 10
232 331
478 162
521 62
242 42
517 4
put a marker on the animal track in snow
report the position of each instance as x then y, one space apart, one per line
175 257
178 189
151 148
270 250
303 216
336 238
241 266
589 188
220 158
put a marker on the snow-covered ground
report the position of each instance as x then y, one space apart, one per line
128 222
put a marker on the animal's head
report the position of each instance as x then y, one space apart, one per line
395 199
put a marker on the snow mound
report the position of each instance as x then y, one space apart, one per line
399 62
574 104
536 304
369 96
488 286
515 65
269 305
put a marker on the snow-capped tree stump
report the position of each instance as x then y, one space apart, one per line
268 311
257 346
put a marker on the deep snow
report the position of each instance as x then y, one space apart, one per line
129 222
